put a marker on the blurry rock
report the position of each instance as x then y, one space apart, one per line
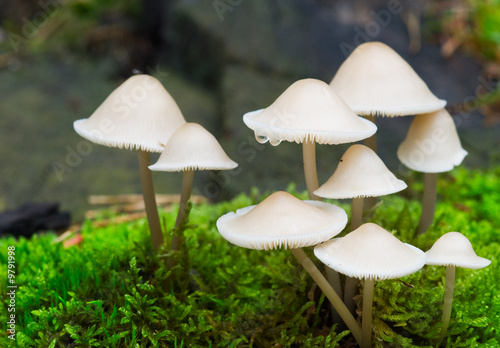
33 217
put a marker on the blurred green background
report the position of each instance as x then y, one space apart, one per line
59 59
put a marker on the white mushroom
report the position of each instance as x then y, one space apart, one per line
431 146
370 253
452 250
191 148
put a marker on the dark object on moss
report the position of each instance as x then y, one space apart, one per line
33 217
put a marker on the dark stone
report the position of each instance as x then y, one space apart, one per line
33 217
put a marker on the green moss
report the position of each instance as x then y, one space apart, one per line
114 292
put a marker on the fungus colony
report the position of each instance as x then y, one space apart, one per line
373 81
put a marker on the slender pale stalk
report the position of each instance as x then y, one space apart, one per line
356 212
332 296
367 313
311 174
148 195
448 302
333 278
349 292
371 142
428 202
350 283
187 184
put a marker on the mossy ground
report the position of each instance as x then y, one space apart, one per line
112 291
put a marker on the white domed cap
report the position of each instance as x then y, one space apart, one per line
454 249
375 80
432 144
370 252
360 173
282 221
308 110
139 114
192 147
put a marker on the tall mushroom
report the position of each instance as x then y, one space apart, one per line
308 112
431 146
283 221
140 114
370 253
360 173
452 250
376 81
191 148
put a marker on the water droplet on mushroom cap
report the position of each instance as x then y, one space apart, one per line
261 139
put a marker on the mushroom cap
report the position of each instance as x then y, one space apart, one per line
432 144
370 252
309 110
375 80
192 147
281 220
454 249
139 114
360 173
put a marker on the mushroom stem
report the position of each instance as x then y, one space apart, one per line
187 184
367 313
333 278
428 202
332 296
309 158
448 301
371 142
356 212
349 292
148 195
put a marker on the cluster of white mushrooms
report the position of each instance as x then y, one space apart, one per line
140 114
373 81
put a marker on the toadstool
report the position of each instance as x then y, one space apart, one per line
431 146
360 173
452 250
376 81
370 253
191 148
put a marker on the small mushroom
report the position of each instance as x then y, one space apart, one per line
452 250
140 114
191 148
431 146
376 81
283 221
360 173
370 253
308 112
